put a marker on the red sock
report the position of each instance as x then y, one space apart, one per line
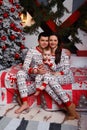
67 103
24 99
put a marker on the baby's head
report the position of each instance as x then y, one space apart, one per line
46 53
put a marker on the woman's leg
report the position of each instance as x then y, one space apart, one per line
53 95
72 114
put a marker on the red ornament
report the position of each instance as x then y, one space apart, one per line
23 38
4 47
11 1
1 2
17 6
17 56
0 21
19 30
12 37
5 15
22 47
19 13
12 10
3 38
15 29
12 25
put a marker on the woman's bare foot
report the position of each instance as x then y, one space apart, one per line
22 108
37 93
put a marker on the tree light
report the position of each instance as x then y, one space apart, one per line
27 19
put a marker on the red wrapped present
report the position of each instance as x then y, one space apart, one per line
80 74
79 89
8 85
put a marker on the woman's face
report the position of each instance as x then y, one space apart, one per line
53 41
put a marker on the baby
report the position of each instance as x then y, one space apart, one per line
41 81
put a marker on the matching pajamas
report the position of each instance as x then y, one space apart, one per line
54 88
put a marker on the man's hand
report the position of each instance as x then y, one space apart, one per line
41 69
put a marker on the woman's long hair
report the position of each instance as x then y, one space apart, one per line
58 50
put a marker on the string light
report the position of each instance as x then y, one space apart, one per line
27 19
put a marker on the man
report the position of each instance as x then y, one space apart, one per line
27 72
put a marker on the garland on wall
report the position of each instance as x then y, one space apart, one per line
44 11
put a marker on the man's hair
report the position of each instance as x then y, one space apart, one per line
44 34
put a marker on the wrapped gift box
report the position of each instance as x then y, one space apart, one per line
8 85
79 89
80 74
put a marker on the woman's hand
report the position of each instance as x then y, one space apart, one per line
41 69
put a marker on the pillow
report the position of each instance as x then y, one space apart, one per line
78 61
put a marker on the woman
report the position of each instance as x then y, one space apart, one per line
63 75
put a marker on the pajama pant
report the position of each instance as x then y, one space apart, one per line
53 88
42 79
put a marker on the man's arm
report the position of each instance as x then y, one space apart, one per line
28 60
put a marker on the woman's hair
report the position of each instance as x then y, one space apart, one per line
58 50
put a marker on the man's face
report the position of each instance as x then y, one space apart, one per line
43 42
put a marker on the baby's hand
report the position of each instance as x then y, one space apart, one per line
56 73
47 62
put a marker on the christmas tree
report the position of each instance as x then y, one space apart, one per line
12 48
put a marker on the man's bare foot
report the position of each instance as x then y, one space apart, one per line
22 108
19 100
